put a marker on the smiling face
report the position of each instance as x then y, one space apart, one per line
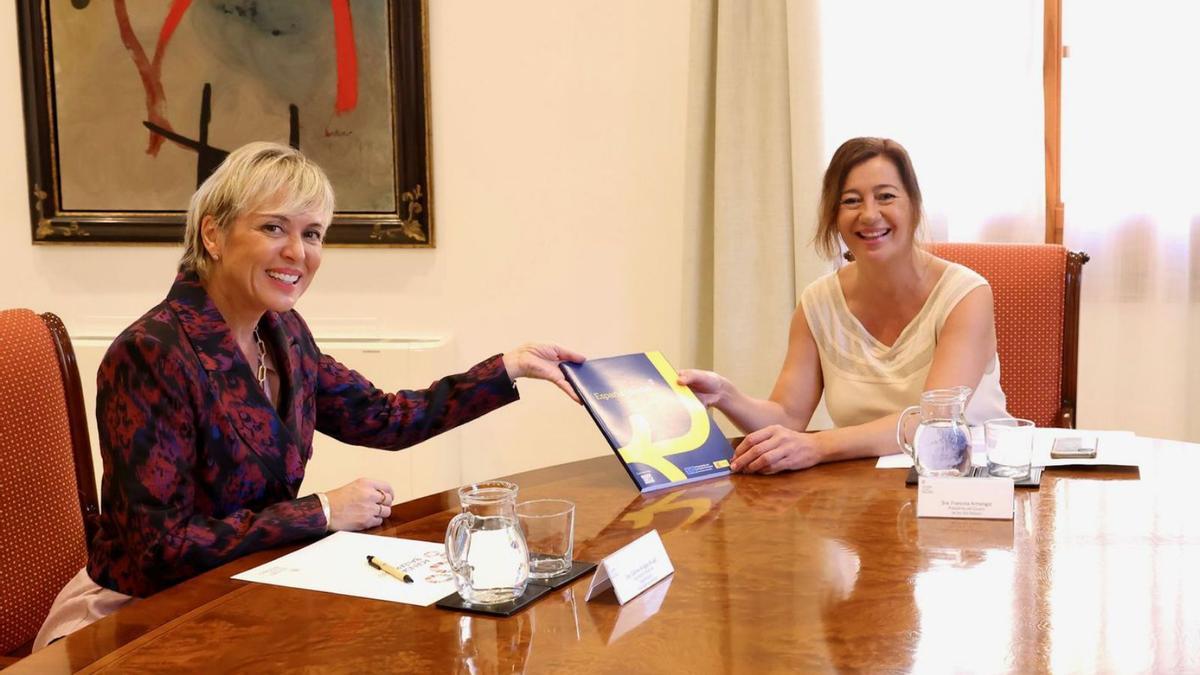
263 261
875 216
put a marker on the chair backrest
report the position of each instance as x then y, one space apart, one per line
1036 291
47 491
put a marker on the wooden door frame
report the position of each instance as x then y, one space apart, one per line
1052 56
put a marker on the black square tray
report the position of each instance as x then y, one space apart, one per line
1033 480
532 592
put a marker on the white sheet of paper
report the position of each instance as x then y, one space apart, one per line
338 564
1114 448
632 569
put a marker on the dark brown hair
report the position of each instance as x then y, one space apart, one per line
852 153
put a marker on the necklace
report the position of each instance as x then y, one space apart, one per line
262 361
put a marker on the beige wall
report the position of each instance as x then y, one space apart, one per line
558 156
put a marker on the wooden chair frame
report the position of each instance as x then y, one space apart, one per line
85 476
1072 285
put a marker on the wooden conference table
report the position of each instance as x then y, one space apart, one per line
820 570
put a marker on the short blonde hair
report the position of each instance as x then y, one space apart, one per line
254 176
852 153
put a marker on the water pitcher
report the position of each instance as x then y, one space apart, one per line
485 546
941 443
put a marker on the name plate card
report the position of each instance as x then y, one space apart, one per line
955 497
635 567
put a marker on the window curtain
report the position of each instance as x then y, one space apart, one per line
753 178
1130 180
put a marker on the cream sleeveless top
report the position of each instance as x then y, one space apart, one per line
866 379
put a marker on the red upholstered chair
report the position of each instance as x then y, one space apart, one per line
1036 291
47 492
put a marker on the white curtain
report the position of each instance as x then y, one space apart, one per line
959 84
754 137
752 197
1130 182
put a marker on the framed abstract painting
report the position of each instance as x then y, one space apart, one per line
130 104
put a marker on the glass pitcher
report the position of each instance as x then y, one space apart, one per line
485 546
941 443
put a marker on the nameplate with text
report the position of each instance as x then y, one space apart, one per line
954 497
637 566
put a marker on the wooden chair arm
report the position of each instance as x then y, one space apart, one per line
1065 417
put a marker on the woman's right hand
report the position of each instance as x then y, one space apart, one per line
359 505
708 386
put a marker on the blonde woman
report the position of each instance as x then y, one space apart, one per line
207 404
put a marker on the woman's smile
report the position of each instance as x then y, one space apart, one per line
873 234
285 278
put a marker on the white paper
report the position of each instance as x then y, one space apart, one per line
1113 448
338 564
956 497
632 569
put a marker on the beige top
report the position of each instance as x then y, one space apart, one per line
866 379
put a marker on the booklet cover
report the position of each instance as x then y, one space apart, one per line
660 431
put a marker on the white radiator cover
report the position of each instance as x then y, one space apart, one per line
391 364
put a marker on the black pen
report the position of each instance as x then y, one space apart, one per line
384 567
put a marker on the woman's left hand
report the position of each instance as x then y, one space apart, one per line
540 361
776 448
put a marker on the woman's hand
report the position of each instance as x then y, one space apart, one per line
708 386
540 361
359 505
777 448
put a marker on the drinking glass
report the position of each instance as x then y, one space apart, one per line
1009 443
549 527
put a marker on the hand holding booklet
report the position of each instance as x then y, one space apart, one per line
660 431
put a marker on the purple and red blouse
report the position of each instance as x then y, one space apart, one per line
200 468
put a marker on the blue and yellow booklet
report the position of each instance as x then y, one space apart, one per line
660 431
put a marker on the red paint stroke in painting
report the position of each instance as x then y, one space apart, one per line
151 72
347 57
174 15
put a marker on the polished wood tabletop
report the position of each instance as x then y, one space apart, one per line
821 570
